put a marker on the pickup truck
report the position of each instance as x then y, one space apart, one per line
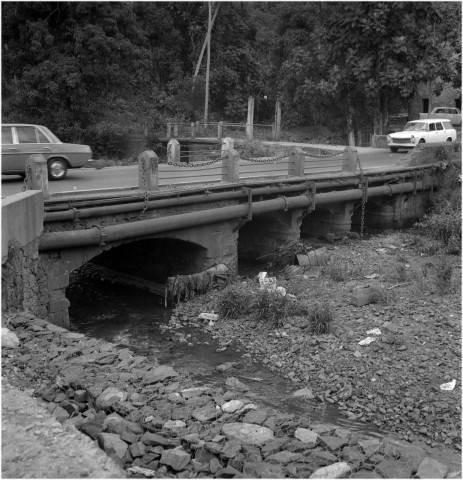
449 113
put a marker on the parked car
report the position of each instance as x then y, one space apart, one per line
19 141
449 113
422 131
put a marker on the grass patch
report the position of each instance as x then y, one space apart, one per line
338 269
241 300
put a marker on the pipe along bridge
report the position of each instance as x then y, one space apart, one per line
185 219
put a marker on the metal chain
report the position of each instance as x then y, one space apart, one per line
364 197
27 178
145 186
193 165
286 154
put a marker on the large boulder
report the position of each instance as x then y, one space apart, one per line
9 339
109 397
248 433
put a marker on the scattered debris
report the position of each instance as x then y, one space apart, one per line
374 331
367 341
449 385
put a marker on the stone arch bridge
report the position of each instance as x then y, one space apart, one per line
154 231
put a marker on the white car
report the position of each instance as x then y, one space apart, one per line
431 130
449 113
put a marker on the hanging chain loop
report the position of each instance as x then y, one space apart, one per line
363 186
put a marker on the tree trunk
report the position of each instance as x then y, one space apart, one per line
350 122
380 114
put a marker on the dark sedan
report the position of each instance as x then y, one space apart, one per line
19 141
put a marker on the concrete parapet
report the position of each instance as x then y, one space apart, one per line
22 219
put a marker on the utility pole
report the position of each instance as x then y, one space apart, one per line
209 25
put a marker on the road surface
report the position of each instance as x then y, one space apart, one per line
120 177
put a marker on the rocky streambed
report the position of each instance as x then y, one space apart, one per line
158 421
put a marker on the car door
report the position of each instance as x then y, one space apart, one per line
441 133
9 151
433 134
30 140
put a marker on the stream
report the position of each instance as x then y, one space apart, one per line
133 318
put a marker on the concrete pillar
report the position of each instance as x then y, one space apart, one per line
148 170
169 130
230 168
37 173
399 211
296 163
266 233
173 151
193 130
175 129
333 218
227 145
277 120
250 120
349 161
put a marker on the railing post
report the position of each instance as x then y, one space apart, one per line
173 151
169 130
227 145
231 167
193 133
148 170
296 164
175 129
250 122
37 173
349 160
219 130
198 130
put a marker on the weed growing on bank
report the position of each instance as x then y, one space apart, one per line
240 300
444 222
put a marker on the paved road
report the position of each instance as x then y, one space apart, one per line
118 177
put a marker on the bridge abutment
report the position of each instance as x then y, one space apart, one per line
336 217
266 233
397 211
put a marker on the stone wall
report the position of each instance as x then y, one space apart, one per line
22 223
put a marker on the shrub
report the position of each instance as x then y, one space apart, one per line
235 300
319 316
444 221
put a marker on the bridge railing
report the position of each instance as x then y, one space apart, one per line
226 167
221 130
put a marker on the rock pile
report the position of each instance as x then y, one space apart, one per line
152 422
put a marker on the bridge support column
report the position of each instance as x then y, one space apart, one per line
394 212
267 233
331 218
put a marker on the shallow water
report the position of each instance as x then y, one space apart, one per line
133 318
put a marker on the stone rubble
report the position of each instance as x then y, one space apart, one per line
148 418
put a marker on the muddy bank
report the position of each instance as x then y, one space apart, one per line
154 422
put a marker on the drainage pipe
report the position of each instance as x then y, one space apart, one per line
97 235
69 215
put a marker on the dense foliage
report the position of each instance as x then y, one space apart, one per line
86 68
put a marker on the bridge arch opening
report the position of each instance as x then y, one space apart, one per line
154 259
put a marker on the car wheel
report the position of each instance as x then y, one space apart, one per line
57 169
394 149
422 140
449 140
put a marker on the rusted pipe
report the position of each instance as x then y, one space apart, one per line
97 235
124 207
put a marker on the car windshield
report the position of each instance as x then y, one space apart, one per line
51 136
414 126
